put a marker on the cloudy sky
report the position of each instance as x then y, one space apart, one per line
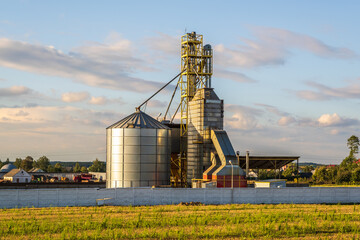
288 72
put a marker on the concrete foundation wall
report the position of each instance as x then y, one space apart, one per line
12 198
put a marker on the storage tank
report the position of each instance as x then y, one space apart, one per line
138 152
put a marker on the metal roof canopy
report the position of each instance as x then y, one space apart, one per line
266 162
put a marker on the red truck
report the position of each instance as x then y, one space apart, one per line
84 177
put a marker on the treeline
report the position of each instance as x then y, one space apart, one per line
348 172
44 164
290 173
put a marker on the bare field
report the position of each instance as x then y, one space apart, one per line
237 221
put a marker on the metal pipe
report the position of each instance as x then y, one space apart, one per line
138 108
172 119
238 157
297 170
172 97
247 163
232 174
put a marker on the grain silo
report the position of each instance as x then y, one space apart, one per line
138 152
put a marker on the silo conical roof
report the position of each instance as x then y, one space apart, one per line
139 119
7 168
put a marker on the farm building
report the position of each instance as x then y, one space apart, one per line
17 176
36 170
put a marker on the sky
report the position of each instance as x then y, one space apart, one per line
288 72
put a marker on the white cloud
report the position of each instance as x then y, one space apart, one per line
272 109
272 46
74 96
169 45
157 104
56 116
325 120
285 121
114 49
250 55
329 120
98 100
14 91
242 118
61 133
21 113
281 37
334 131
311 95
94 65
323 92
235 76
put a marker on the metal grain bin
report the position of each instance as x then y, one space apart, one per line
138 152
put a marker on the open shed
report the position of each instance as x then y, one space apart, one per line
266 162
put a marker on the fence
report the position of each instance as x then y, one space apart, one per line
12 198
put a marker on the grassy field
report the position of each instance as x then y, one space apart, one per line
244 221
334 185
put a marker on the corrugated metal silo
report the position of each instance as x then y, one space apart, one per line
138 152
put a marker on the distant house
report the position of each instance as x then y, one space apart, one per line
331 166
17 176
36 170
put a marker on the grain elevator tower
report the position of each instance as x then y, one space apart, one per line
196 68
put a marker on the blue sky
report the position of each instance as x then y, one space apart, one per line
287 71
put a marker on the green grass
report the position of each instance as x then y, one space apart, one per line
334 185
243 221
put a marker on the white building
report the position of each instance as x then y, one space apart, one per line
17 176
271 183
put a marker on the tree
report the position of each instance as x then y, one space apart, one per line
27 163
290 172
50 169
353 145
348 163
17 162
331 173
42 163
266 174
320 174
77 168
58 167
343 177
84 169
97 166
355 177
307 168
